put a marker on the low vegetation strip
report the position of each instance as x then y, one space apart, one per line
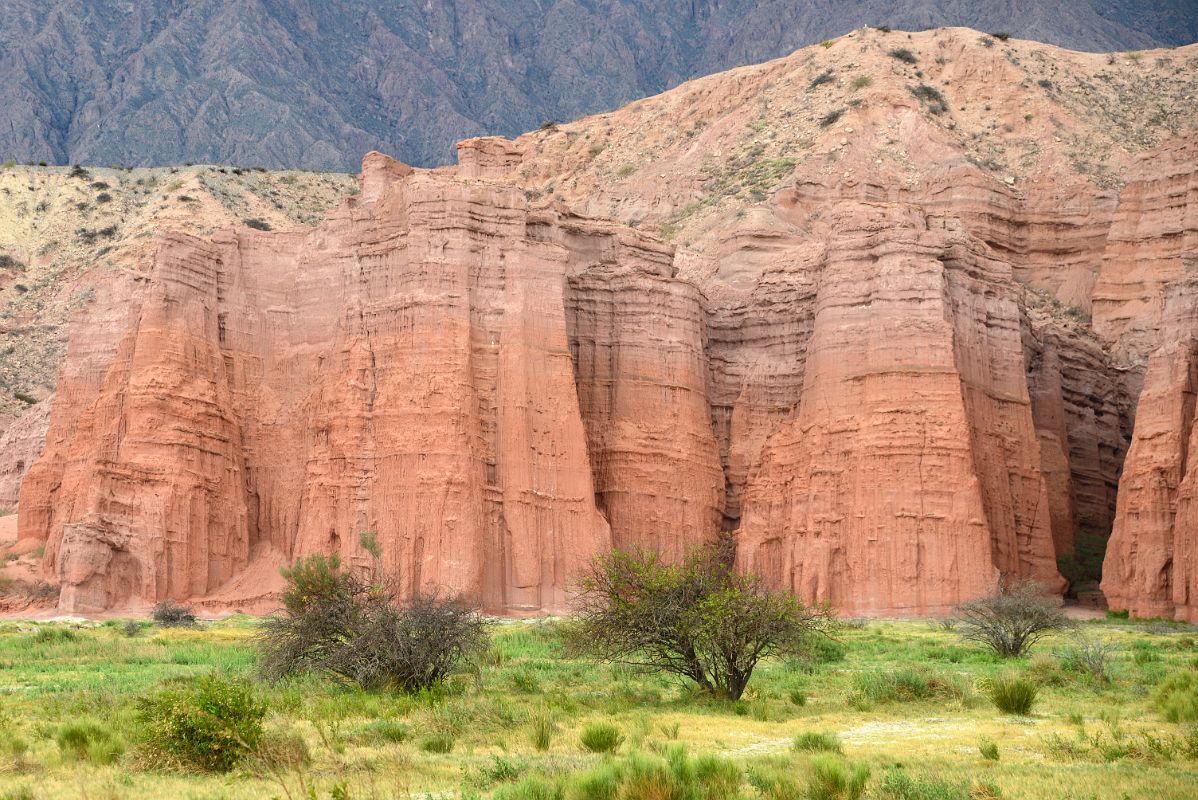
86 704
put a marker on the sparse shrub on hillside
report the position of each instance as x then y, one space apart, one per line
1044 83
1011 693
882 28
103 197
170 614
986 41
931 97
1002 36
79 172
826 43
827 76
205 724
626 170
336 623
904 55
697 620
831 118
861 82
1012 620
256 224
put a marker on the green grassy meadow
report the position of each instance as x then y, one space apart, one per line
900 699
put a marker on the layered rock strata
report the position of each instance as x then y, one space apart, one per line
500 392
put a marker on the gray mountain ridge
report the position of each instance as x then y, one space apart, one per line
314 84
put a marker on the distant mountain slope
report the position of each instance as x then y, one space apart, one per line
307 84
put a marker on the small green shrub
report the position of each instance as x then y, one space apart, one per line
677 776
533 787
89 741
54 635
1011 694
815 742
626 170
861 82
500 770
835 779
542 729
206 724
1177 696
905 686
896 784
904 55
989 749
380 731
601 737
439 742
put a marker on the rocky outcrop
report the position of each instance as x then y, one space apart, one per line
1155 228
907 479
1082 416
404 368
21 441
1151 562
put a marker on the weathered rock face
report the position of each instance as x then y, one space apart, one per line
1154 229
848 324
404 368
1151 562
907 480
500 393
21 443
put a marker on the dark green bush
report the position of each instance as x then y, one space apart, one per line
904 55
206 724
698 620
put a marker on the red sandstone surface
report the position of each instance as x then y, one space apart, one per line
860 342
